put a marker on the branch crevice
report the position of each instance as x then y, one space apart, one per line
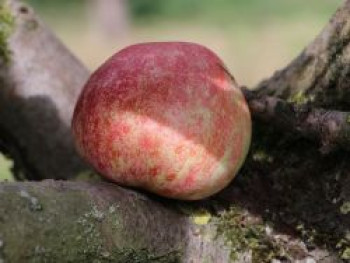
331 128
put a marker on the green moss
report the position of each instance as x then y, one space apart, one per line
343 247
345 208
262 156
301 191
88 176
300 98
346 254
199 215
91 235
202 217
243 236
7 22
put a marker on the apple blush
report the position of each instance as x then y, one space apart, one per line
164 117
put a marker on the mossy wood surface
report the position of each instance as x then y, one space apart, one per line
56 221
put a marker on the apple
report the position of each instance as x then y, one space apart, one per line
164 117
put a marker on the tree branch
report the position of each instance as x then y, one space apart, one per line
320 75
60 221
331 128
40 82
90 222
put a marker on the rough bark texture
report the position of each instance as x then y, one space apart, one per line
290 201
302 189
320 74
330 128
56 221
40 81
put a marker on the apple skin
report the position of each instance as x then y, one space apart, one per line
166 117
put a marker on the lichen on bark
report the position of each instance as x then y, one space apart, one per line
55 225
7 23
245 234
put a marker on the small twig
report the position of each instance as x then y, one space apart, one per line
331 128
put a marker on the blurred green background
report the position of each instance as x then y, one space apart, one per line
253 37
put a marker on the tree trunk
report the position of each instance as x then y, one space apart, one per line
291 200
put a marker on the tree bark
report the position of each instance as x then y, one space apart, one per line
290 201
320 74
56 221
330 128
40 82
302 186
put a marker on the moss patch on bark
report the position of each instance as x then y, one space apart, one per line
7 23
246 235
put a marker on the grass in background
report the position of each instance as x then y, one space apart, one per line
256 11
218 11
5 166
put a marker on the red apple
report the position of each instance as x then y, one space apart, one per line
164 117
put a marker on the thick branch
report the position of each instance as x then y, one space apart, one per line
314 89
81 222
54 221
331 128
40 81
321 73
